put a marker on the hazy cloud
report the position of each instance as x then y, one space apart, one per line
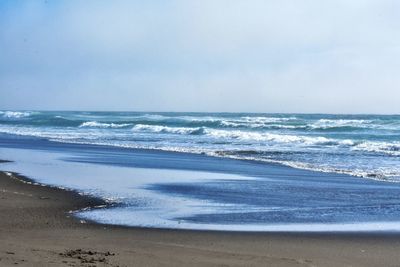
266 56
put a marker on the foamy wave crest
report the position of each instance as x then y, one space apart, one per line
278 138
52 135
258 122
260 125
15 114
392 149
199 119
267 119
153 117
95 124
166 129
328 124
386 174
379 174
241 135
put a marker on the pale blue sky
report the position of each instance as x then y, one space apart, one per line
336 56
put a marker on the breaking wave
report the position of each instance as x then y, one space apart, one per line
280 138
15 114
242 135
360 145
339 123
166 129
96 124
392 149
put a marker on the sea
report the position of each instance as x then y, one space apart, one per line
215 171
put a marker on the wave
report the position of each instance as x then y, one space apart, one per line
231 124
293 123
120 120
279 138
267 119
215 136
95 124
200 119
59 135
167 129
387 148
152 117
257 122
15 114
367 146
386 174
379 174
242 135
291 150
340 123
208 121
392 149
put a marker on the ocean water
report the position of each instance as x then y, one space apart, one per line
360 145
217 171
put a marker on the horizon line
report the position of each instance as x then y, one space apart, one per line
198 112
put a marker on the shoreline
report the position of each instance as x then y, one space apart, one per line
219 155
37 230
85 202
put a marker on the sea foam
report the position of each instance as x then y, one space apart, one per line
15 114
166 129
354 144
96 124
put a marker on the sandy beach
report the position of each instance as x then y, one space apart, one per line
199 133
37 230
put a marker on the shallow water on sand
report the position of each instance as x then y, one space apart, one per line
187 191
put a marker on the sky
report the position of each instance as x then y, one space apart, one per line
298 56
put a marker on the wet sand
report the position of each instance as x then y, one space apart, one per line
36 229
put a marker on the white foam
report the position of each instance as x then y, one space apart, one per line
392 148
278 138
15 114
144 219
258 122
96 124
267 119
200 119
149 208
164 129
153 117
380 174
326 123
64 135
212 140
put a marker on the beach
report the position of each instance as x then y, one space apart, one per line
199 133
36 229
197 190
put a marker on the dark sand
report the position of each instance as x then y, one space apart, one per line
36 230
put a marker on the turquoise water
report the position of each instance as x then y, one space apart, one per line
360 145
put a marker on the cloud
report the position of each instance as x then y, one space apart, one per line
272 56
